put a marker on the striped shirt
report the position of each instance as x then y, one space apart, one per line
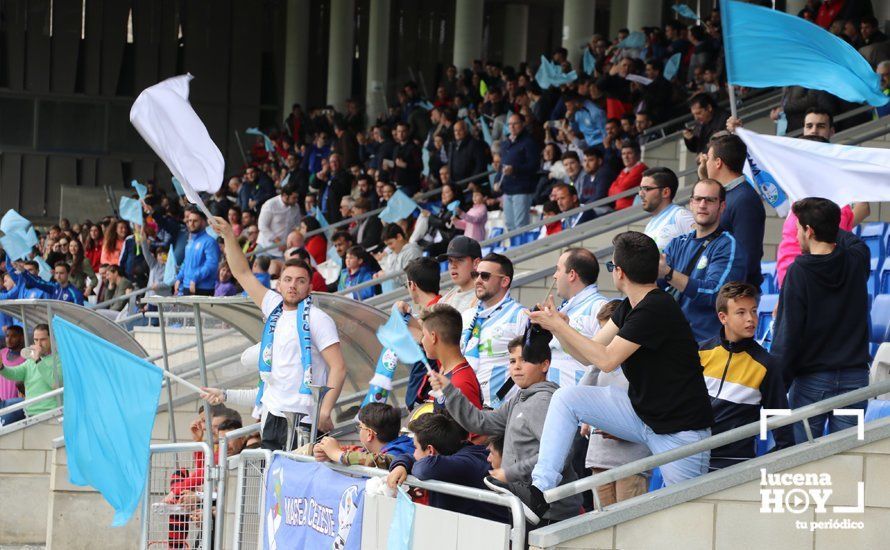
581 309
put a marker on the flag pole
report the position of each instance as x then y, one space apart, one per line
724 21
182 381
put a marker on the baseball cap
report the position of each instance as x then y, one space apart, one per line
461 247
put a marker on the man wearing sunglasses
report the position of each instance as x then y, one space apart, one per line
489 327
695 266
666 405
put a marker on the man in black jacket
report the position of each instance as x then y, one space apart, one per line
408 162
466 155
821 329
332 184
709 119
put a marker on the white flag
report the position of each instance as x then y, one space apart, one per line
803 168
166 121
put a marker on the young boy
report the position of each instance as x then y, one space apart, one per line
520 420
441 453
378 431
741 376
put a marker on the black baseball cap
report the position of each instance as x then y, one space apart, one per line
462 247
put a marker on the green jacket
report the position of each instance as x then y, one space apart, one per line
38 379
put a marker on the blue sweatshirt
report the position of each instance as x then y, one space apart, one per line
721 262
468 467
53 290
200 264
745 218
363 275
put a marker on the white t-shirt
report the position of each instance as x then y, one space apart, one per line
282 389
671 222
582 309
460 300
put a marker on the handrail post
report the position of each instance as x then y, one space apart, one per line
171 418
202 363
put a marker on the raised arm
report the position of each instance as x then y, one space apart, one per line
238 262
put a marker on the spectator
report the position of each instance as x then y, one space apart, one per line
630 176
520 420
598 176
355 272
316 244
488 329
61 289
82 275
342 241
550 209
566 197
741 376
442 454
668 220
407 161
572 165
664 408
696 265
278 217
656 97
93 247
422 276
11 356
744 215
250 235
378 433
316 281
825 288
118 287
332 183
40 374
466 154
198 273
234 218
818 122
433 231
369 230
642 124
472 222
463 256
346 205
868 26
883 71
519 162
346 147
258 189
226 284
400 251
260 270
114 242
709 119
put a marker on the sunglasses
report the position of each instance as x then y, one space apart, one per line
484 275
610 266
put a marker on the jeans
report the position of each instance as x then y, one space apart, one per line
516 209
14 416
811 388
608 409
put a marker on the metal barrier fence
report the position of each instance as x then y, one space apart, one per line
177 507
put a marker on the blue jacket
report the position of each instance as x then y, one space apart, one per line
468 467
21 291
525 158
590 120
53 290
200 264
363 275
721 262
745 218
399 446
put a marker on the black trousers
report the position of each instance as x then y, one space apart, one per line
274 433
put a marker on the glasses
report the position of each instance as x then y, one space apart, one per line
484 275
610 266
646 188
698 200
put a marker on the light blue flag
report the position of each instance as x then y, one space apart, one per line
685 11
453 206
672 66
15 223
178 187
425 154
44 271
267 143
402 526
589 62
394 334
334 257
323 222
141 190
170 268
634 41
15 246
131 210
426 105
486 131
770 48
550 74
111 397
399 207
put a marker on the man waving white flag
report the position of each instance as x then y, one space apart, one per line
165 119
803 168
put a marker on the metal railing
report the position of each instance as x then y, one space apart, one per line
223 457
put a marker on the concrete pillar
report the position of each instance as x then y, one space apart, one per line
577 27
296 55
467 32
617 17
340 52
378 55
515 34
794 6
643 13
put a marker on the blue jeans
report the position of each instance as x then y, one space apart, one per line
811 388
608 409
14 416
516 209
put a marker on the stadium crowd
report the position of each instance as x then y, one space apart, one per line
505 143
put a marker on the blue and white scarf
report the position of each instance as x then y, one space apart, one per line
474 331
265 359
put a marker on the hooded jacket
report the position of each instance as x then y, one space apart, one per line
822 319
520 421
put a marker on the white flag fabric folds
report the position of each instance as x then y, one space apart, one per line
165 119
803 168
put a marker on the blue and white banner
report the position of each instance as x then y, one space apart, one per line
308 505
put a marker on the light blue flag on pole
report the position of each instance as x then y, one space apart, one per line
170 268
394 335
267 143
14 223
672 66
589 62
426 105
685 11
486 131
178 187
111 397
131 210
141 190
399 207
323 222
44 271
15 246
770 48
634 41
425 154
550 74
402 526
